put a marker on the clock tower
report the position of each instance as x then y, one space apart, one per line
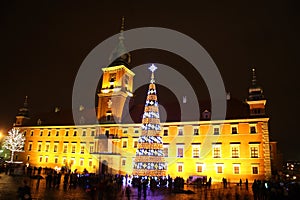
256 99
117 84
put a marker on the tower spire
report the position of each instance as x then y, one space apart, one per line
26 101
256 98
121 37
119 55
122 24
253 77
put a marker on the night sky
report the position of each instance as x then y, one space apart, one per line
43 45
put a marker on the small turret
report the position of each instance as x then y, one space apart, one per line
256 99
23 114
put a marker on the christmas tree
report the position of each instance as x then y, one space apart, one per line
149 160
14 142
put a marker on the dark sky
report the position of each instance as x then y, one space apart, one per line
44 43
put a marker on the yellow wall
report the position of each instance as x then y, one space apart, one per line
113 152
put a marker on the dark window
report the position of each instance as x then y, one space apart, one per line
234 130
252 129
196 131
166 132
180 132
254 170
216 131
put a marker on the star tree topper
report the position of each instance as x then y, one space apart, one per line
152 68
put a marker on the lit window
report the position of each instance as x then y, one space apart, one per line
199 168
124 144
91 147
180 151
39 146
73 148
46 159
254 151
72 161
65 148
135 143
235 151
196 151
47 147
180 131
81 162
82 147
123 162
55 147
219 168
236 169
90 163
179 167
166 150
216 151
64 160
254 169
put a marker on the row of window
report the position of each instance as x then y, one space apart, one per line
219 168
57 133
216 151
216 131
64 161
65 147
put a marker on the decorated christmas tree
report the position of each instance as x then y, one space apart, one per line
149 160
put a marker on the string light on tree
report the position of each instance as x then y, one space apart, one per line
14 142
149 159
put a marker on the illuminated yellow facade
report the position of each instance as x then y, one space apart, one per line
234 149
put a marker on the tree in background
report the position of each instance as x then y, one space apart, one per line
14 142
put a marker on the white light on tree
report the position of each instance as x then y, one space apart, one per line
14 142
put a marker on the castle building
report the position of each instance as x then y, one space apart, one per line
241 147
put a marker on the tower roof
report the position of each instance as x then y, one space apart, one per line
255 91
24 111
120 49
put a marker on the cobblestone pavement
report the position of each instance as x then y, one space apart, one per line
9 186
